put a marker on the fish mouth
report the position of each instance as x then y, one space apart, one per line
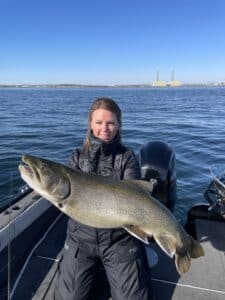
26 168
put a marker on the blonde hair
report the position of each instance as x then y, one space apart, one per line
107 104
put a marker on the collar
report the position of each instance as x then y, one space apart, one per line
98 146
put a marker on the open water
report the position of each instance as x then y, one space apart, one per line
51 122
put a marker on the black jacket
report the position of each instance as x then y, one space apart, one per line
106 159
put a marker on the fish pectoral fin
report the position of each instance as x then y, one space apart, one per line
137 232
167 243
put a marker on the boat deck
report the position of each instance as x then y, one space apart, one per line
205 279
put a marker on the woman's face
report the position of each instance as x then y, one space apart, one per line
104 124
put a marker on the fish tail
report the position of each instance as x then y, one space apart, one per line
183 259
169 244
195 249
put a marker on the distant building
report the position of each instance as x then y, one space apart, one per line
171 83
157 82
174 83
220 83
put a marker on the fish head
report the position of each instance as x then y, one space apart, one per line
47 178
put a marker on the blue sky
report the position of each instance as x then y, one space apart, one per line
111 42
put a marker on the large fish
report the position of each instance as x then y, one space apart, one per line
104 203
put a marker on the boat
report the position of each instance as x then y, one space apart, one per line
33 231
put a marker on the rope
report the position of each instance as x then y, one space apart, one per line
189 286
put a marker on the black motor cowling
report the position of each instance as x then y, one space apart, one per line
215 196
157 161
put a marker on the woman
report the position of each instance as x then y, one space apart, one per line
121 255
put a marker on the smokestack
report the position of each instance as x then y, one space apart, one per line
172 75
157 75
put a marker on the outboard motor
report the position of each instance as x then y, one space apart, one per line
157 161
214 209
215 195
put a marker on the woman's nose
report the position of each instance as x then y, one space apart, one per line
104 127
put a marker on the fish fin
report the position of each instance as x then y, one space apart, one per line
147 185
195 249
183 263
137 232
167 243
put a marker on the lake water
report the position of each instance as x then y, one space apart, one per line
51 122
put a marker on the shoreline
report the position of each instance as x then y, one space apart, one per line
104 86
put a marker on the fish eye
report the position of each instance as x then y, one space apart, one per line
43 166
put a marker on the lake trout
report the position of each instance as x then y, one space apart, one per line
105 203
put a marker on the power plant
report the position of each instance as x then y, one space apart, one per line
171 83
